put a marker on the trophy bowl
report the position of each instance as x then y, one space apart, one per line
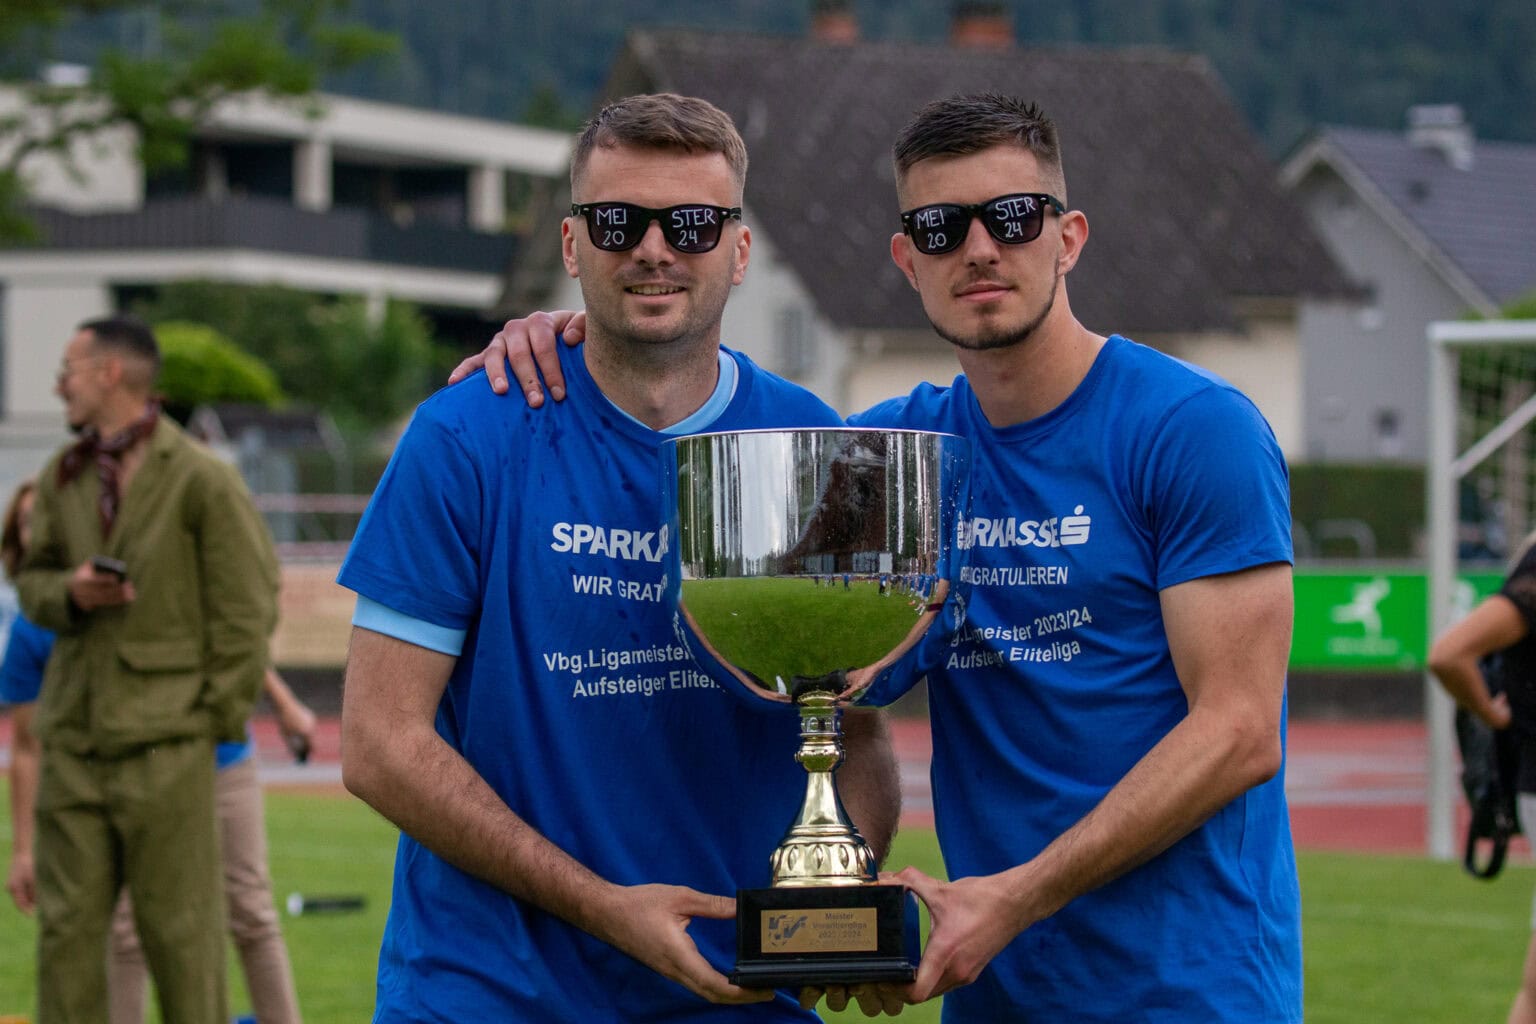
807 563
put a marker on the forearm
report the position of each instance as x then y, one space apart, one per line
278 693
1455 658
1229 638
394 760
25 760
44 598
869 782
1200 766
1463 680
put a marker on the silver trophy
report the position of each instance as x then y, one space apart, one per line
810 561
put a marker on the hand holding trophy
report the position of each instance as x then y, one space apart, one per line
809 562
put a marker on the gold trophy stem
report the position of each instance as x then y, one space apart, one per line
822 847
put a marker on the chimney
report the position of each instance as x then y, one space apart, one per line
833 21
981 25
1442 127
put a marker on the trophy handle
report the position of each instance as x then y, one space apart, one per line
822 847
859 680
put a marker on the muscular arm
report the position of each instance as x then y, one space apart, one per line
1453 658
869 782
1230 639
25 759
393 758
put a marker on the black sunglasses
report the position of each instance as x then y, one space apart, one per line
1012 219
691 228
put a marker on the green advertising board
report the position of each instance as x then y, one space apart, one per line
1370 621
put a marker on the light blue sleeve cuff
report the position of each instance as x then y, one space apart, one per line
372 615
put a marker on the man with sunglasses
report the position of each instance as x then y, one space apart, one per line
1108 726
570 789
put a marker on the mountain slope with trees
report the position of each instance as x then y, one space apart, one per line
1290 66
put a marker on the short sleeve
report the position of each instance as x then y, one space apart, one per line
1215 489
26 658
417 548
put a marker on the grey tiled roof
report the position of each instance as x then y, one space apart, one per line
1183 206
1483 219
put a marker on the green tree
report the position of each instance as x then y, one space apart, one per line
327 353
1522 307
387 363
200 365
204 52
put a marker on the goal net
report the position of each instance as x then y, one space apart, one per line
1481 502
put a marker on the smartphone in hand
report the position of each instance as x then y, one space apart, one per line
110 566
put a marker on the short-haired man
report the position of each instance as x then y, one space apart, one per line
576 800
1107 749
158 657
1133 859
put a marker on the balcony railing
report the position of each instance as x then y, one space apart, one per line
273 225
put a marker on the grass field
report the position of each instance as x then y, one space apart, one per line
1387 938
789 626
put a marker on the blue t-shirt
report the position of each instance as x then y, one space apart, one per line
26 656
1152 473
540 533
21 679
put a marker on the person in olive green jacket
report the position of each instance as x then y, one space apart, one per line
152 566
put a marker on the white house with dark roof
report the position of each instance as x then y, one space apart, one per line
1194 248
1434 224
354 197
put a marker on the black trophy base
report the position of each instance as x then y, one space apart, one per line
826 935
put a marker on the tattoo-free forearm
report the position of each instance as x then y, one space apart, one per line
395 761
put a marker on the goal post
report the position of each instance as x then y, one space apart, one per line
1482 399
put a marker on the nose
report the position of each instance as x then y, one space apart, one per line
979 245
653 249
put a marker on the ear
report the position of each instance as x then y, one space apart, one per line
568 246
741 254
902 256
111 368
1074 235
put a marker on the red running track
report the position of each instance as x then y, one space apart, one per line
1352 785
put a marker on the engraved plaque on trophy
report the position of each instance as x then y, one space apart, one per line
809 562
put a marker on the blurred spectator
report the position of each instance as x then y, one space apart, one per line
1503 626
150 564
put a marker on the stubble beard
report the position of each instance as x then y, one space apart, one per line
648 339
988 340
608 320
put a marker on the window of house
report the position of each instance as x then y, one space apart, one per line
1389 438
797 352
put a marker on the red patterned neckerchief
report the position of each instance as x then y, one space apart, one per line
108 456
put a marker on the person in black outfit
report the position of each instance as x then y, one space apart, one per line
1503 624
